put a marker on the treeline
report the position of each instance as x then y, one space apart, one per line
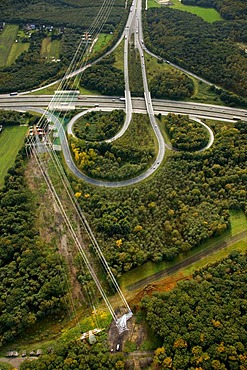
201 48
172 85
186 202
135 72
72 13
125 158
228 9
79 356
96 126
32 274
104 77
201 323
12 118
185 134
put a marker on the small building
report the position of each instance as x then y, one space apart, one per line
92 338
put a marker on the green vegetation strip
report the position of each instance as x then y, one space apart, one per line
11 141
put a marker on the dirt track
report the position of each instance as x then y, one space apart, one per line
200 255
15 361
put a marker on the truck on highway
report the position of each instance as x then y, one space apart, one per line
122 99
13 93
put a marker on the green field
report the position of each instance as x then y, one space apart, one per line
11 140
16 50
102 41
7 39
208 14
50 49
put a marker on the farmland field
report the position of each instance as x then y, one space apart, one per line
7 39
16 50
11 140
208 14
50 49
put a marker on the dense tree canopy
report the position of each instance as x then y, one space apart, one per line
32 274
202 322
78 356
201 47
104 77
99 125
12 118
172 84
185 134
69 13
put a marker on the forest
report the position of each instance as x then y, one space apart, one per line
201 48
171 85
11 118
69 13
185 134
228 9
79 356
32 274
187 201
104 78
202 322
125 158
97 126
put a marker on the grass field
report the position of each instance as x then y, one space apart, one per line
102 41
50 49
208 14
7 38
11 140
238 222
16 50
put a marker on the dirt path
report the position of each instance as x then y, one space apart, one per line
15 361
187 262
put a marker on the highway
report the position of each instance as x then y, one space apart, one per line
132 33
215 112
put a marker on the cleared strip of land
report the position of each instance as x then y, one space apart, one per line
11 141
188 261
